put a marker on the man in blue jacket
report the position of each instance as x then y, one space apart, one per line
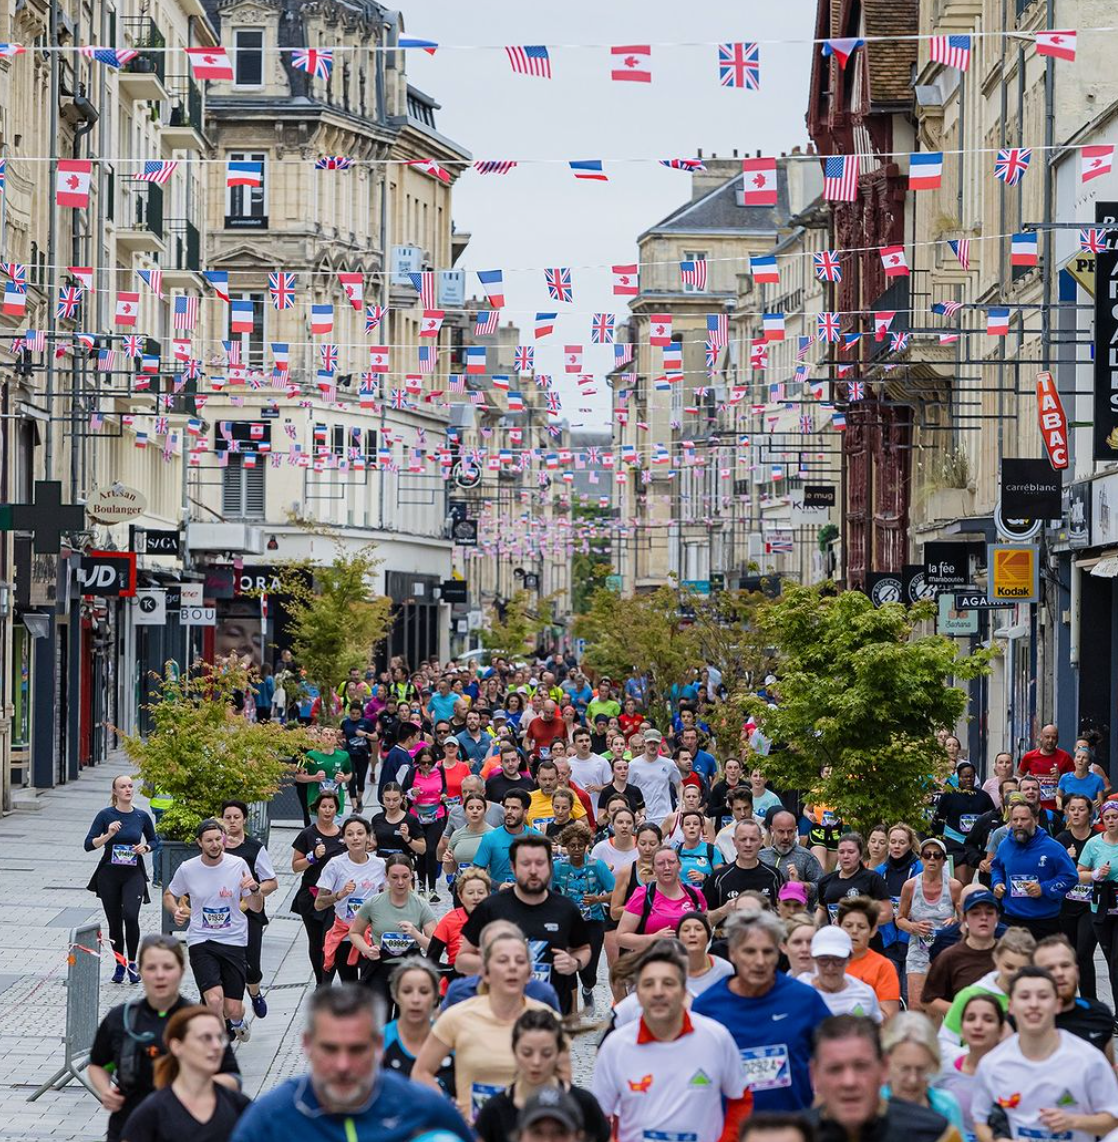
348 1097
1031 874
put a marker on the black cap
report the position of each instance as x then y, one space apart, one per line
551 1102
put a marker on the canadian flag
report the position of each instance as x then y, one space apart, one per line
72 185
881 322
625 282
354 287
632 63
127 307
660 329
759 182
84 274
572 358
894 262
378 358
1061 45
210 63
180 348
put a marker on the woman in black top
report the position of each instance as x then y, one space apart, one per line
538 1042
718 806
414 986
313 847
187 1103
1076 918
396 829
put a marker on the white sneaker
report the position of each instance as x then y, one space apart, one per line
242 1033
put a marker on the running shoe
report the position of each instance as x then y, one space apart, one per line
133 973
588 999
118 975
241 1031
259 1004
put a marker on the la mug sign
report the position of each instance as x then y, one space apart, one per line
1053 421
116 504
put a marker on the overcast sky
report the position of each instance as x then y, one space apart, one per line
540 215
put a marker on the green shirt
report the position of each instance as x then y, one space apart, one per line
609 707
384 920
332 764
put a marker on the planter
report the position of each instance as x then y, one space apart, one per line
171 855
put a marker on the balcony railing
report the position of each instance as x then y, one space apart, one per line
186 103
144 33
184 246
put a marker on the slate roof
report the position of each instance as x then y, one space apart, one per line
718 210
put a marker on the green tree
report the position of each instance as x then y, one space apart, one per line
336 622
860 692
201 752
516 633
588 568
642 634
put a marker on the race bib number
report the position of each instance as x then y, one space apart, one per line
541 968
480 1094
829 819
832 912
1080 893
328 786
426 813
1039 1134
353 906
123 855
452 801
966 822
668 1136
766 1068
1048 786
396 943
217 919
542 822
1019 885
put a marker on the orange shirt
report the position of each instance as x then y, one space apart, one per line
874 969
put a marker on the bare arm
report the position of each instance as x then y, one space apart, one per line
617 900
467 963
430 1058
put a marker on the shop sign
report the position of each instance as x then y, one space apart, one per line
1077 515
1030 489
1014 573
1105 431
915 585
947 564
116 504
107 574
1053 422
149 608
954 622
159 542
884 587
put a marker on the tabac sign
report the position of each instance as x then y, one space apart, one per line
1053 422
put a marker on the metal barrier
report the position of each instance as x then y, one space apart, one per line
83 1000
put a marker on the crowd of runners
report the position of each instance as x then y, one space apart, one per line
485 845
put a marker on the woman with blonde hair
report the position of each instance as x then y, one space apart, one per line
472 887
124 834
479 1030
187 1100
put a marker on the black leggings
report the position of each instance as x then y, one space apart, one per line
253 974
1106 929
428 864
315 926
1079 928
301 790
359 764
597 932
122 893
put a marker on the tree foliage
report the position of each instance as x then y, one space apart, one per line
516 633
589 568
335 620
201 752
859 692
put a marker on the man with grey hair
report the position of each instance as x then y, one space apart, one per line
347 1094
786 854
771 1016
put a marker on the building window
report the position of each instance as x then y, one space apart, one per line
248 57
242 489
252 344
248 201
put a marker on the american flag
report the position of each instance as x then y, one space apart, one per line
1011 164
718 329
106 360
332 163
157 172
947 308
153 279
281 286
622 354
374 315
829 326
840 178
69 298
110 57
601 329
428 355
525 360
960 247
232 352
1092 241
35 340
559 286
694 273
487 322
185 315
494 166
739 65
530 59
424 283
953 51
314 62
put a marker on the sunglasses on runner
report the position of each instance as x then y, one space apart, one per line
932 854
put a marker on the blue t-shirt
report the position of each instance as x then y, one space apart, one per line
593 878
441 708
465 987
397 1111
704 858
773 1033
493 854
1090 786
705 765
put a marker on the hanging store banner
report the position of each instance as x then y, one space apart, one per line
1014 573
1053 421
953 621
947 564
1105 433
884 587
916 587
1031 489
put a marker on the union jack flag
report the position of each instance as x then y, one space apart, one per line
683 164
69 298
282 288
329 355
739 65
374 315
161 425
332 163
18 274
806 426
554 405
487 322
855 390
694 273
543 381
828 268
525 360
133 345
711 352
829 326
1011 164
398 398
559 286
494 166
314 62
601 330
1092 241
898 342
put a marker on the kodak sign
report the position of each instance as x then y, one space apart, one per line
1053 422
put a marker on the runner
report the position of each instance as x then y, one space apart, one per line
654 776
347 1097
724 885
1088 1018
956 813
619 849
1098 867
360 739
414 987
541 809
852 878
255 855
124 834
214 883
424 788
328 768
1047 763
982 1027
831 952
590 770
397 828
1076 917
929 901
493 853
471 888
658 905
310 852
968 960
858 917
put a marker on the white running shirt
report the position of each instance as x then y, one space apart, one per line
215 899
